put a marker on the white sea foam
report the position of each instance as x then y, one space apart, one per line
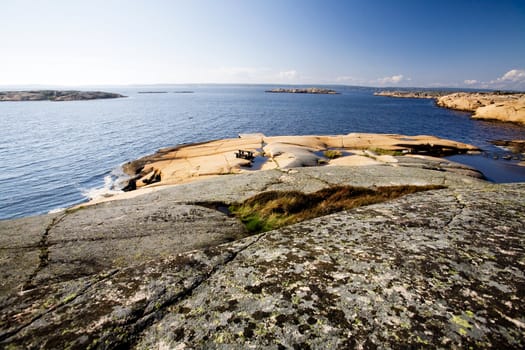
113 184
57 210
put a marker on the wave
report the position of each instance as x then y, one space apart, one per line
113 184
57 210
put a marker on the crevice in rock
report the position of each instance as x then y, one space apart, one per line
272 183
43 256
315 178
460 205
221 207
70 298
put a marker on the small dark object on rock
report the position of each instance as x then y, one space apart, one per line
244 155
155 177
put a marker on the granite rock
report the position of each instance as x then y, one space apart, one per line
435 269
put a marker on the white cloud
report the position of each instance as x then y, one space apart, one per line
249 75
395 79
288 75
513 79
347 79
514 75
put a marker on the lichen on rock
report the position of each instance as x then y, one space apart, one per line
433 269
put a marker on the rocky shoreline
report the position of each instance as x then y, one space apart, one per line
55 95
391 247
191 162
507 107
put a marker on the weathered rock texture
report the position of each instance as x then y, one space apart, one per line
507 107
435 269
55 95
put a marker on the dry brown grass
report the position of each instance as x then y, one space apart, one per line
273 209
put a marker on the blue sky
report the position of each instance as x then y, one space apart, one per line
373 43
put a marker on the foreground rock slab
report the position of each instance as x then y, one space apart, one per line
434 269
438 269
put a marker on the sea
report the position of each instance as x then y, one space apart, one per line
57 154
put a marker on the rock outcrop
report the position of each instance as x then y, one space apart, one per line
507 107
516 146
435 269
504 107
186 163
55 95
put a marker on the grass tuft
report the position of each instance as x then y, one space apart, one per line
273 209
332 153
382 151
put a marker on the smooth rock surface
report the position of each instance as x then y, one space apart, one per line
503 107
191 162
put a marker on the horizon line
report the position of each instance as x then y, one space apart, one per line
130 85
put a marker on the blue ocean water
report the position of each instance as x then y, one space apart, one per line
56 154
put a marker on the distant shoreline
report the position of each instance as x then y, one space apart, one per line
313 90
55 95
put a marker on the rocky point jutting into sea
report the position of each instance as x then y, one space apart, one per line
502 106
187 163
384 245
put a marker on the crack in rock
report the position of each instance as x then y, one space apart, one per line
43 257
459 211
4 336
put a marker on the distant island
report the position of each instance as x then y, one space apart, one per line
313 90
412 94
165 92
55 95
496 105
